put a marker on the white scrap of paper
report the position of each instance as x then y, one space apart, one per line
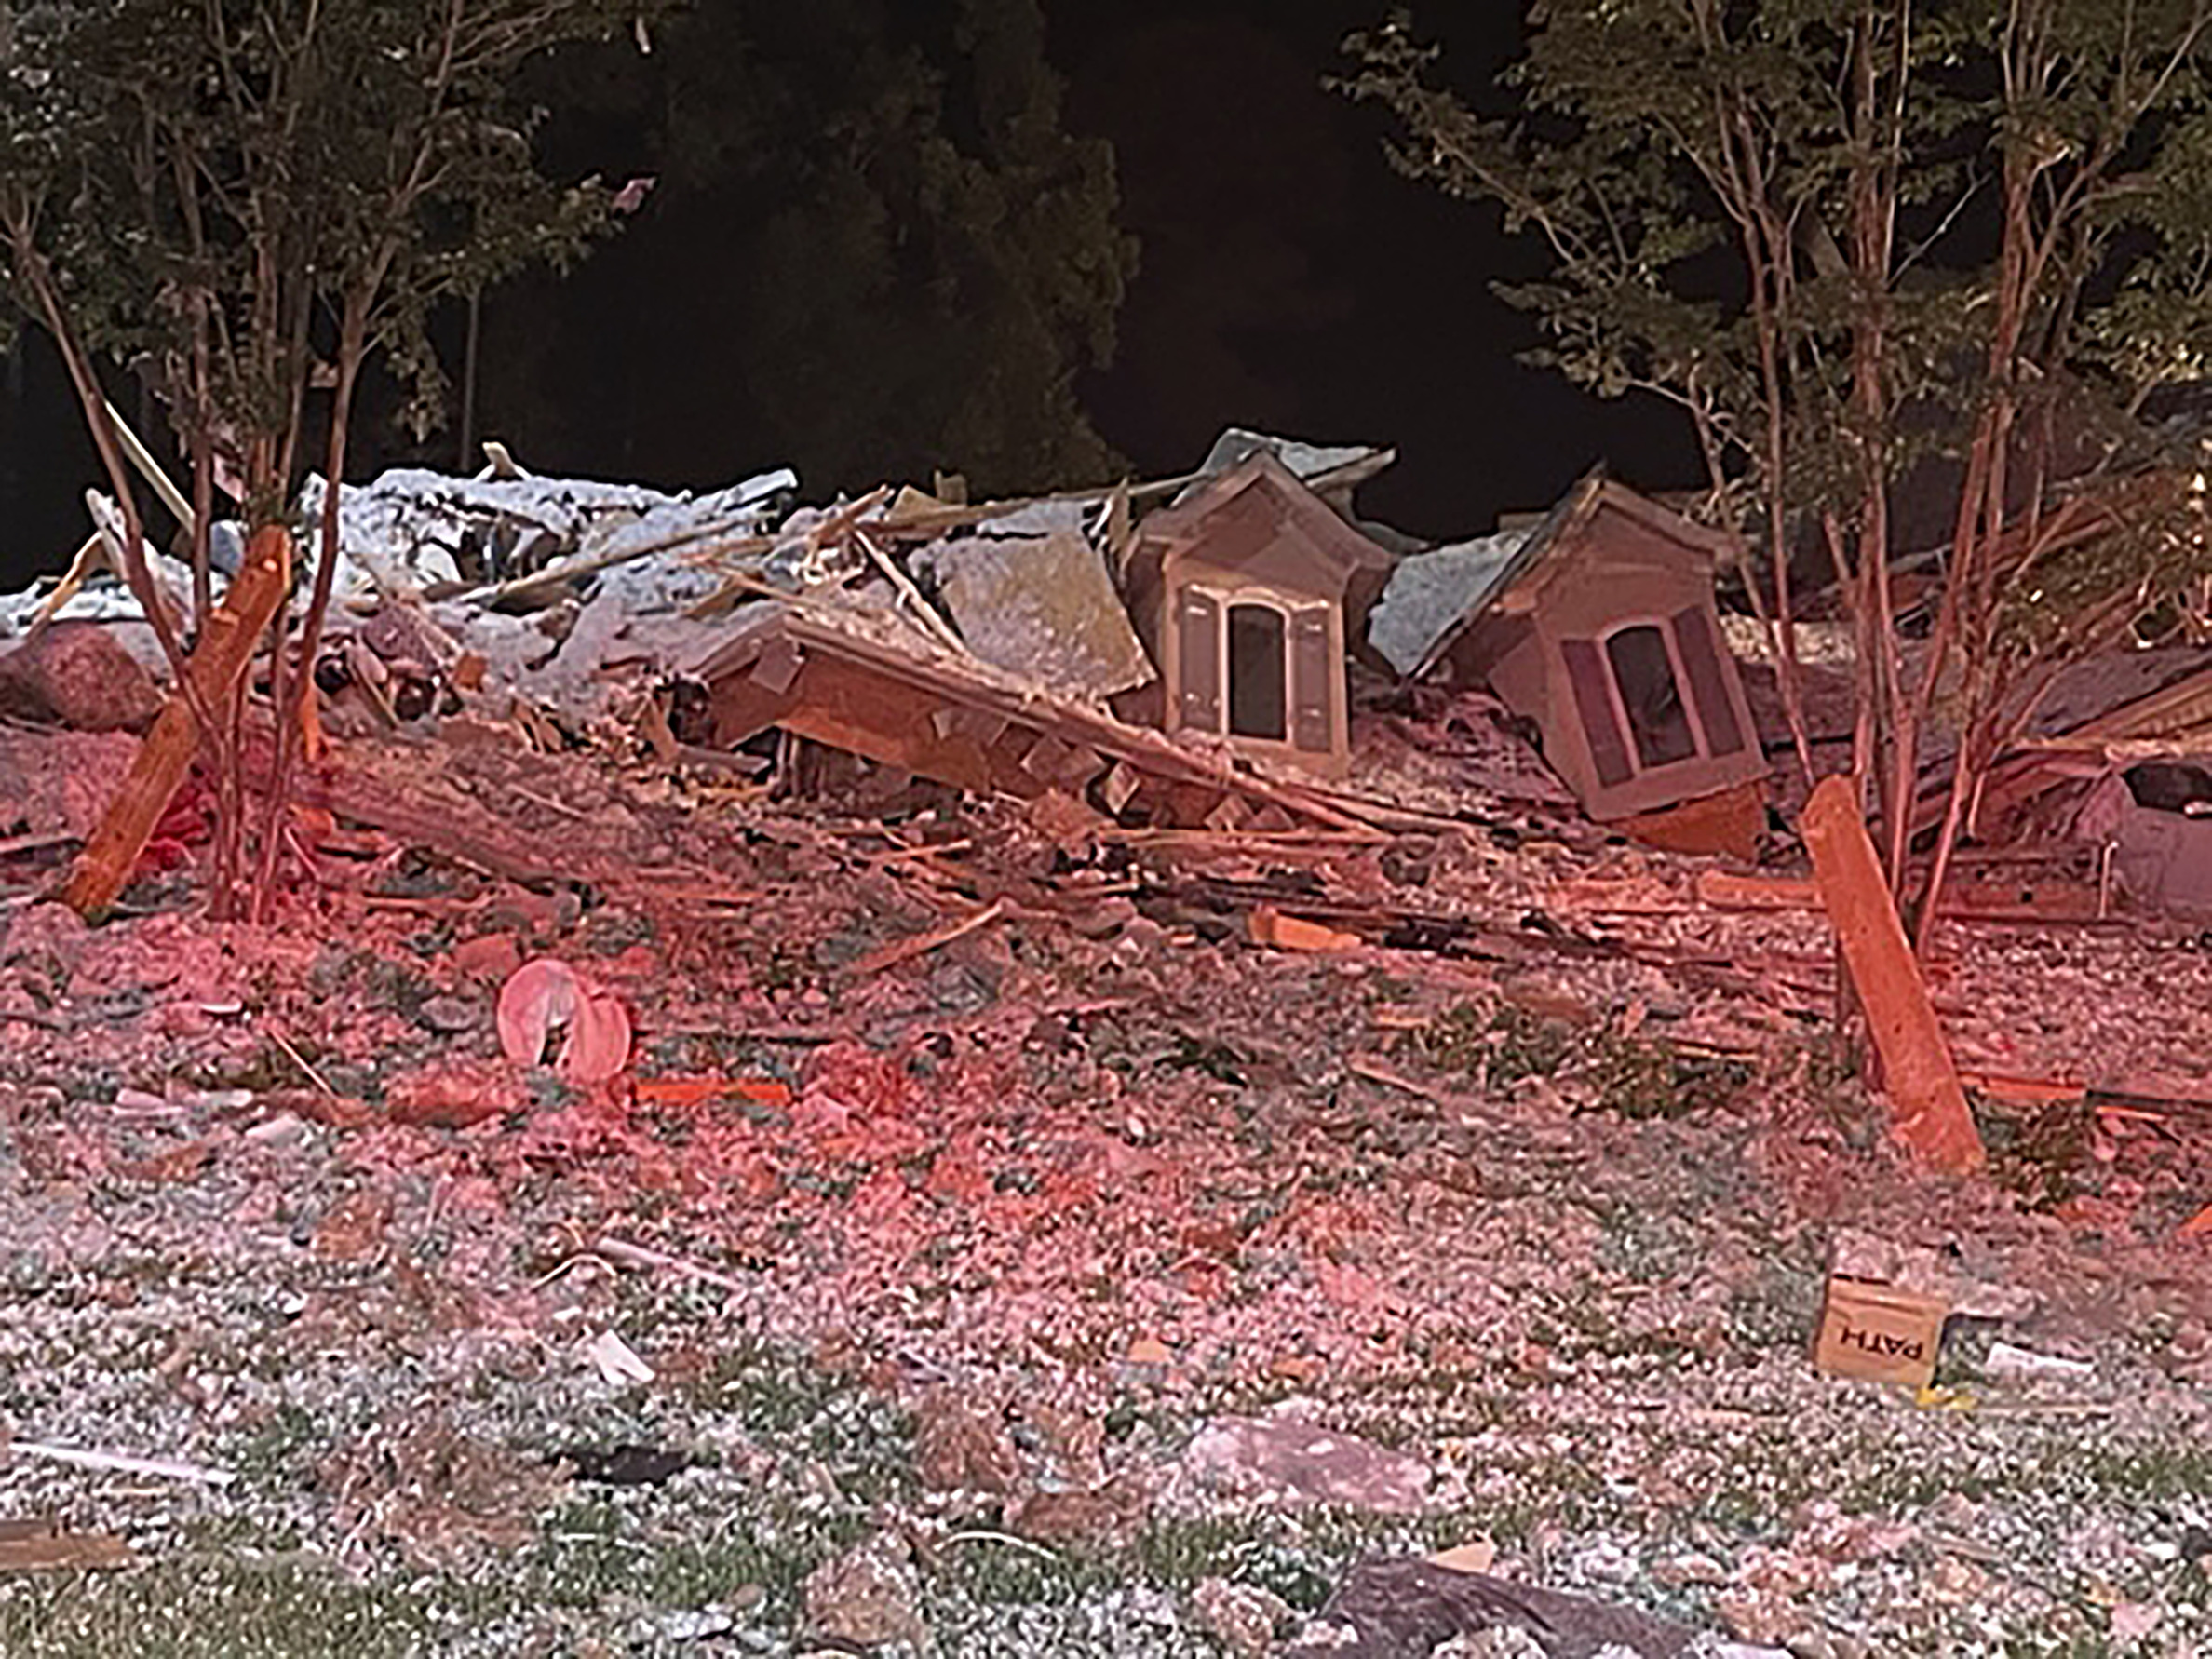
617 1361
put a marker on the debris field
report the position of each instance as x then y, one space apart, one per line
663 1176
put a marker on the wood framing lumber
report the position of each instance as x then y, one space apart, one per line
2050 903
1270 926
1927 1104
38 1545
907 949
226 646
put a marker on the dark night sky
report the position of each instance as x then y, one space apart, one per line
1290 281
1293 282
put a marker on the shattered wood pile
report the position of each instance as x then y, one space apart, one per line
955 721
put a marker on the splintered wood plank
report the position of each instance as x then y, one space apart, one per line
1927 1105
38 1546
225 648
1229 815
1121 786
907 949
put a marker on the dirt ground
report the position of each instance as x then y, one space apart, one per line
1094 1282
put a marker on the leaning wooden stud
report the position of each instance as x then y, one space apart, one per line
1927 1103
225 647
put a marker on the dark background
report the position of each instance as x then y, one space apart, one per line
1288 280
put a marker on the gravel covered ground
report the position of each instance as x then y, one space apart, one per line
1094 1284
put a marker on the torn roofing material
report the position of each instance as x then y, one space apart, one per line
410 527
1429 594
1431 600
1318 466
1028 592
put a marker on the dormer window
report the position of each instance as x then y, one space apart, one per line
1242 588
1651 693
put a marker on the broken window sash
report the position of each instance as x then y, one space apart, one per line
1198 665
1594 701
1312 680
1650 694
1709 682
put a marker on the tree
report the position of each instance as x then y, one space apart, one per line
875 250
255 199
1844 236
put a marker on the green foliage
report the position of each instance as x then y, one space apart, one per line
1829 181
228 193
876 250
1648 1078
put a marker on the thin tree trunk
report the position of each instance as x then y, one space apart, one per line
291 709
464 460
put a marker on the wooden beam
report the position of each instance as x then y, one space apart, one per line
225 648
1927 1105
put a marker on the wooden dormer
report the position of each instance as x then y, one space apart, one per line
1241 590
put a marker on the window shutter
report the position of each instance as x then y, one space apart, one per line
1593 701
1709 682
1312 680
1198 667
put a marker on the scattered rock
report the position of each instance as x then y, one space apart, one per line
1288 1460
1690 1570
1108 1515
1243 1618
1149 1350
624 1465
2133 1620
75 674
868 1597
450 1015
492 959
353 1229
1477 1555
454 1095
1388 1609
700 1624
959 1449
1506 1642
53 931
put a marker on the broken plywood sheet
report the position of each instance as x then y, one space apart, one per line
1029 593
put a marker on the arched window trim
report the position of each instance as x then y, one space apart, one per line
1286 606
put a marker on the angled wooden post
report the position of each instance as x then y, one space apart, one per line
1927 1104
225 647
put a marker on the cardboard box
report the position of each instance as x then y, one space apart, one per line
1880 1332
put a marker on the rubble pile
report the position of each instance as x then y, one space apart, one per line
774 1113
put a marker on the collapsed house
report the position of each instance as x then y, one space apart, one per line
2117 767
1193 653
1063 641
1598 626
